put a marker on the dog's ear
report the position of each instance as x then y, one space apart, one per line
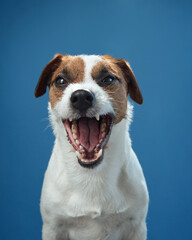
133 87
47 74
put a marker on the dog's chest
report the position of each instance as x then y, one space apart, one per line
109 227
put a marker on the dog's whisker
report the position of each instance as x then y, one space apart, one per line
48 126
45 119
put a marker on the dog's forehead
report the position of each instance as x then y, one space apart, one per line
84 67
95 64
90 62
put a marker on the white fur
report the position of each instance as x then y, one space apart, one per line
108 202
90 61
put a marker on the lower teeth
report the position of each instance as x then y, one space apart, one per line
98 155
78 155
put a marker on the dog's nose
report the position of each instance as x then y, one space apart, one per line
82 100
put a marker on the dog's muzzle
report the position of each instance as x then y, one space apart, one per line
87 135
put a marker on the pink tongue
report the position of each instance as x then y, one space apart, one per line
89 133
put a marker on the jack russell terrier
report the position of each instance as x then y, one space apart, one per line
94 187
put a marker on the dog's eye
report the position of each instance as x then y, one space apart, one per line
60 82
107 80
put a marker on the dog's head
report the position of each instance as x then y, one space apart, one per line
88 94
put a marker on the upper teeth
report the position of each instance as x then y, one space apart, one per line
74 127
74 136
103 126
97 117
103 134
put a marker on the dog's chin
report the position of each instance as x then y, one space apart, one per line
89 137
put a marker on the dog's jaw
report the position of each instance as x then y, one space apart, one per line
89 137
114 141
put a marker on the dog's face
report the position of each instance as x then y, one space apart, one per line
88 94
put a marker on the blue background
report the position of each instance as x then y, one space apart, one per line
156 38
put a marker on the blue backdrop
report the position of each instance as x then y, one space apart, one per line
156 38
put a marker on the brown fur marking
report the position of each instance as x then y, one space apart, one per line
133 87
46 75
117 91
74 71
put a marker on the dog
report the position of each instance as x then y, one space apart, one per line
94 187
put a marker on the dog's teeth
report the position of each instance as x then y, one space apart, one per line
70 119
101 140
103 135
78 155
77 142
84 160
80 146
74 128
103 127
97 147
97 117
74 136
99 153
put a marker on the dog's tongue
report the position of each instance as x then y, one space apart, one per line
89 133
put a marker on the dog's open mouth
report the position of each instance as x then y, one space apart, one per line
89 136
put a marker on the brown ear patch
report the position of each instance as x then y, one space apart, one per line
133 87
47 74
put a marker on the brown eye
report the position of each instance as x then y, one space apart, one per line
107 81
60 82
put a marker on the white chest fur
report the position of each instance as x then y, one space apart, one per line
103 203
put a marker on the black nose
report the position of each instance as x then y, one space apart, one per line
82 100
